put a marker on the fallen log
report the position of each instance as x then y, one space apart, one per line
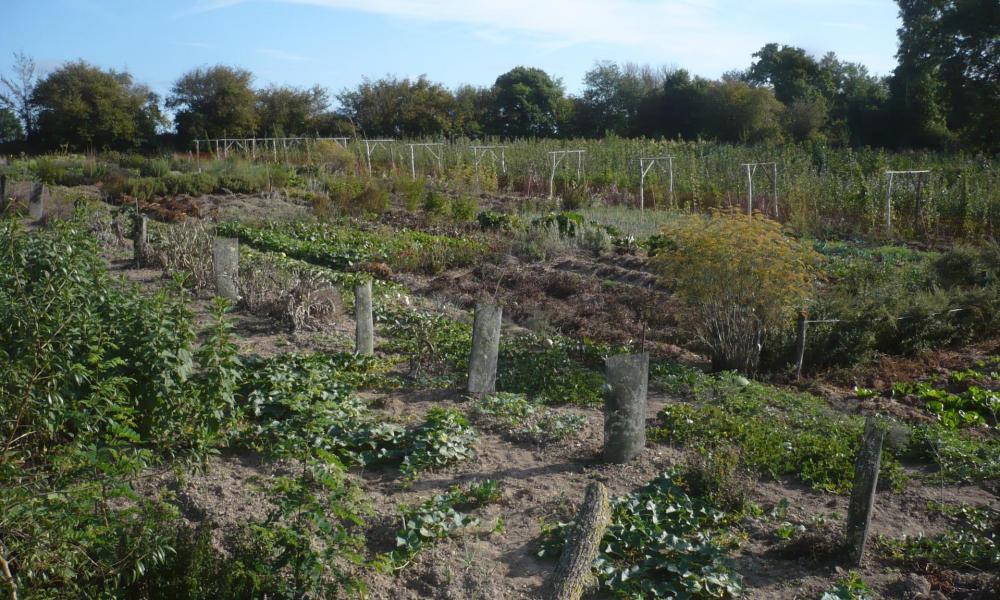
573 572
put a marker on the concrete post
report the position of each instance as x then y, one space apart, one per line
485 348
859 513
140 241
625 406
226 266
37 200
364 338
800 343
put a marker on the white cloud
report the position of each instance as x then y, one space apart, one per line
708 35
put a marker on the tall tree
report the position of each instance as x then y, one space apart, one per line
948 75
790 71
399 107
86 107
611 98
10 127
528 103
16 91
290 111
214 102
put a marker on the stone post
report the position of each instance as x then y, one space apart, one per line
859 513
485 348
625 407
226 266
364 339
140 240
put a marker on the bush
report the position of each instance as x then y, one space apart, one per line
741 278
464 208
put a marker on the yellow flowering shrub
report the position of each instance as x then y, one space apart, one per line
740 278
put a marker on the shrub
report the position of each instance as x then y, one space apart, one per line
464 208
741 278
334 157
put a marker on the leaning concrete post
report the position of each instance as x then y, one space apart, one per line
800 343
573 572
364 338
140 240
226 265
36 202
859 514
485 348
625 406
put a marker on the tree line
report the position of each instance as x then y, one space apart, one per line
944 92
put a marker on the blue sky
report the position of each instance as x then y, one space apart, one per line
335 43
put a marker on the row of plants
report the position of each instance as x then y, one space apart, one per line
347 248
782 433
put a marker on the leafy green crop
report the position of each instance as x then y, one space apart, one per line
777 432
437 518
660 543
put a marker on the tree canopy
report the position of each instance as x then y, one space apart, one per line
214 102
85 107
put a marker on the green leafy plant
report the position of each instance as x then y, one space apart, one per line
660 543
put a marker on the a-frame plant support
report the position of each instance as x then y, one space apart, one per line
921 177
373 145
645 164
435 149
557 157
480 152
751 169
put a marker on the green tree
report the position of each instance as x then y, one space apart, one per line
790 71
214 102
737 112
290 111
399 107
948 77
10 127
86 107
472 106
611 99
528 103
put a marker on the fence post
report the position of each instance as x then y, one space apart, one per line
800 343
866 467
364 339
625 406
485 349
3 193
